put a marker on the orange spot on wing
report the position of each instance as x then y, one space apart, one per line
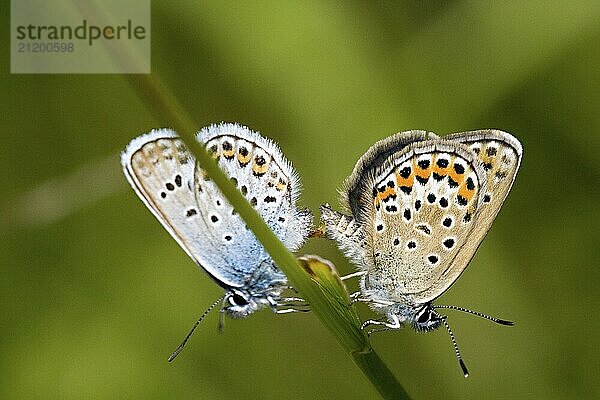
440 171
465 192
485 159
400 181
422 172
280 185
242 159
458 178
384 195
228 153
388 192
260 169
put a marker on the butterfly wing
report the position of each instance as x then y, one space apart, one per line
160 169
189 205
424 201
421 205
350 231
263 175
499 154
355 196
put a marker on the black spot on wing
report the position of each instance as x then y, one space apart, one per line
438 177
442 163
228 147
406 189
467 217
422 180
459 169
424 228
501 175
470 184
405 172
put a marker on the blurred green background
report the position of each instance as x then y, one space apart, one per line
95 294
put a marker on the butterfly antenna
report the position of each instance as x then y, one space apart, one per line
465 310
182 345
460 360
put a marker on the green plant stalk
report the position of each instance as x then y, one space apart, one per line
348 334
342 324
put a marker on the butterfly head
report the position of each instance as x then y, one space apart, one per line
426 319
240 304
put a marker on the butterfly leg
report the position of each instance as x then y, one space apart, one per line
372 331
355 298
293 299
293 307
353 275
395 324
291 310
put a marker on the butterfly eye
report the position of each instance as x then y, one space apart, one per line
238 300
423 317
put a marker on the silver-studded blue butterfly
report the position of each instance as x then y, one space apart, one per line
419 206
175 188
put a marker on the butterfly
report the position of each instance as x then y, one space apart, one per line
419 207
175 188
